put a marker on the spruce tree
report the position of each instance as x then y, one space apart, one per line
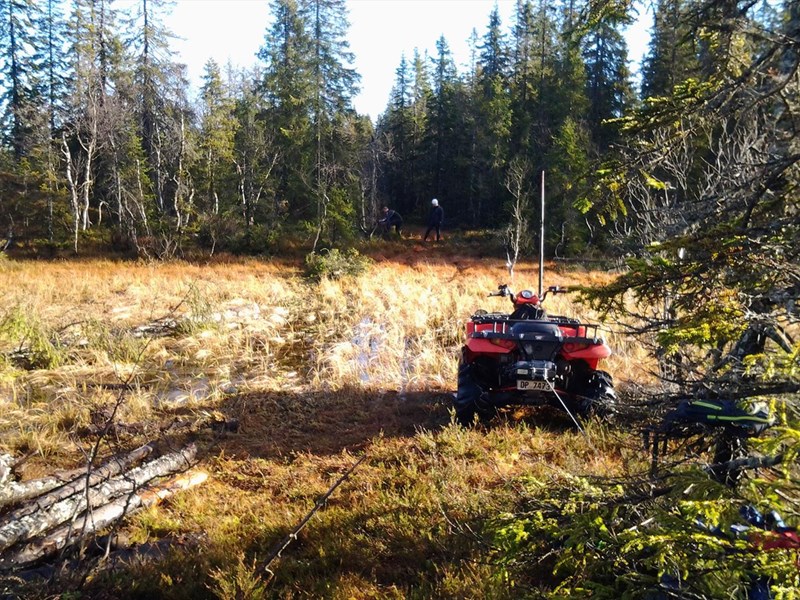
420 160
705 192
396 128
255 157
18 46
162 104
48 105
492 123
216 140
445 86
288 89
493 50
403 132
673 53
535 41
608 86
334 84
52 61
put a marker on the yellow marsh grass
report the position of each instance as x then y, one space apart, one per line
245 326
405 324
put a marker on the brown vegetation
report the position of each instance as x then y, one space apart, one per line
315 375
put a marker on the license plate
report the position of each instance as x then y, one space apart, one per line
525 384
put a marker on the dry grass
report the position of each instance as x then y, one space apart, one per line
316 374
177 333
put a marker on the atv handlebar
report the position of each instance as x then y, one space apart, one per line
554 289
504 290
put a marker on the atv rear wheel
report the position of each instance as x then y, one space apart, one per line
470 398
599 396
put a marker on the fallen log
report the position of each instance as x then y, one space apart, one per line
12 492
6 462
88 478
94 521
128 483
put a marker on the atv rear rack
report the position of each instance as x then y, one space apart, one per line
501 323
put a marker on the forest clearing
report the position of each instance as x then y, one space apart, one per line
232 367
306 377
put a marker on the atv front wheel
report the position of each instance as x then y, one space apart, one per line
471 399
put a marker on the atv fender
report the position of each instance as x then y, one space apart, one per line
593 352
482 346
591 355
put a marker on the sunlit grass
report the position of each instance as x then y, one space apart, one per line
316 374
249 326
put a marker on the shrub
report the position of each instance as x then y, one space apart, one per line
223 233
335 264
34 345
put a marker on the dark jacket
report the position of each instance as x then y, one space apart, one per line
392 218
437 216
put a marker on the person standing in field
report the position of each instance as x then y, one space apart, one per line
434 220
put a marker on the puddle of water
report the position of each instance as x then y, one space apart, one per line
199 390
367 340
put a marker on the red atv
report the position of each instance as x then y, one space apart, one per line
528 357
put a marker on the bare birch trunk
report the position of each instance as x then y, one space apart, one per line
73 192
90 148
6 463
86 187
12 492
140 203
179 181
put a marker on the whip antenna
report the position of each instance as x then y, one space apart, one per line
541 243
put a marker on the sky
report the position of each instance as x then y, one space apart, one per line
381 31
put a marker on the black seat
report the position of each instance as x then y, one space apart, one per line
529 312
535 330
